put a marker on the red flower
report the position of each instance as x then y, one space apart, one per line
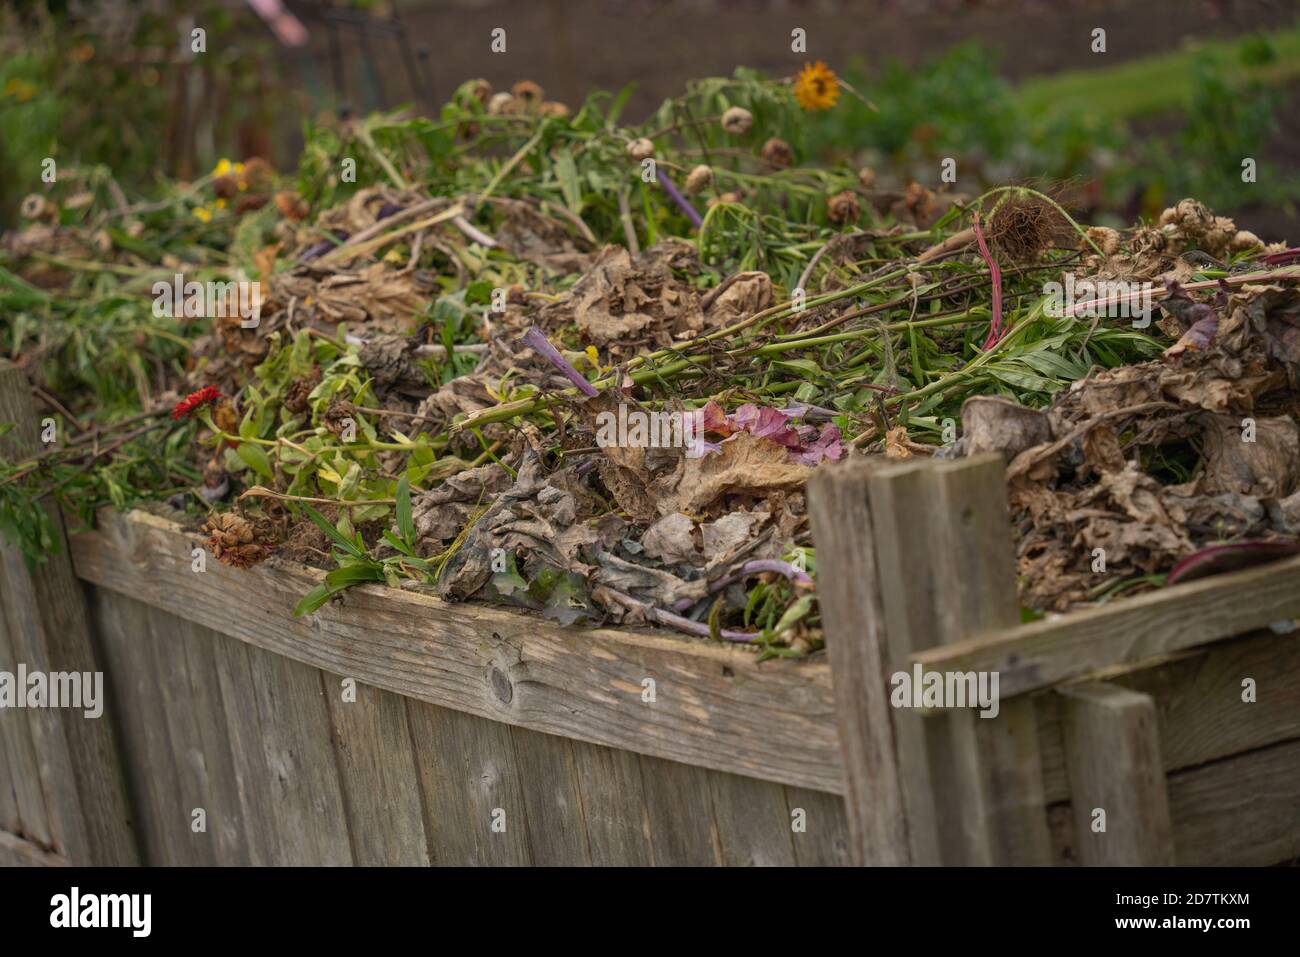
195 400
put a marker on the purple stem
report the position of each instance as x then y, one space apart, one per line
750 568
538 342
682 203
683 624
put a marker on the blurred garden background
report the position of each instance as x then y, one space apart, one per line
1013 90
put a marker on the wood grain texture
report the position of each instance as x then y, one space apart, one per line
306 796
81 767
18 852
1242 811
381 789
234 663
679 808
553 807
825 842
1144 627
1200 710
753 821
495 663
613 804
1112 751
161 816
467 771
10 820
30 818
852 608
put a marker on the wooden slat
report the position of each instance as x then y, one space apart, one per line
234 663
161 818
613 804
17 852
227 826
195 785
1242 811
970 788
679 808
548 778
1112 750
753 821
467 771
852 609
32 818
1051 651
825 842
9 818
81 769
305 793
1199 705
381 788
571 682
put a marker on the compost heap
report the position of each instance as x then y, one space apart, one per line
420 401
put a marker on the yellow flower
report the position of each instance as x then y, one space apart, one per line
19 89
816 87
221 204
222 168
203 214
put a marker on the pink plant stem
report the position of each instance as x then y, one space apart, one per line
995 275
536 340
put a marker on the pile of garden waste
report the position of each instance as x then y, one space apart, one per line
467 330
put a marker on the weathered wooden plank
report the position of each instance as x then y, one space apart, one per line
82 774
195 785
305 791
1144 627
468 780
970 787
852 609
381 790
753 821
613 803
499 664
824 841
233 663
679 808
1199 705
1112 750
191 687
24 784
9 818
548 777
162 819
1241 811
17 852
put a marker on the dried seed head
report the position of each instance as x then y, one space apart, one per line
527 91
640 149
224 415
699 179
553 108
777 153
843 208
36 206
225 187
1107 239
480 89
291 205
502 104
1022 226
737 121
728 197
866 177
1245 241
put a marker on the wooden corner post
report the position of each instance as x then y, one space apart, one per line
912 555
66 766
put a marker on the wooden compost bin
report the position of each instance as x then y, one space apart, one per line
468 716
